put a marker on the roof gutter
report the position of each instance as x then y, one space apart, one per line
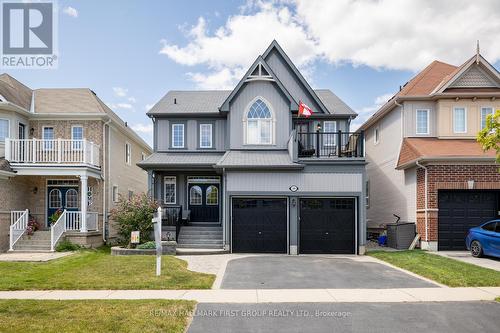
427 159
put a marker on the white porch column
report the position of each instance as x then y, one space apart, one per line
83 202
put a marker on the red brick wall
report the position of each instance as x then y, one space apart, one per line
449 177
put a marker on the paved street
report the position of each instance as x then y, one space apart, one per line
348 317
304 272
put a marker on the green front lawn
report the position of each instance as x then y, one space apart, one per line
95 316
443 270
97 269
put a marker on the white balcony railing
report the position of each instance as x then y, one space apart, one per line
59 151
71 221
17 227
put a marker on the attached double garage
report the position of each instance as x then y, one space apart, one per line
300 214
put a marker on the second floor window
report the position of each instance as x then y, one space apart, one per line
329 127
259 124
422 121
459 120
77 137
48 135
205 135
127 154
178 136
4 129
484 114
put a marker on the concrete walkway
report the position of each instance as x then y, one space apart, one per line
465 256
33 256
400 295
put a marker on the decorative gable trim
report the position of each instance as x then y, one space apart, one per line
302 80
476 70
259 71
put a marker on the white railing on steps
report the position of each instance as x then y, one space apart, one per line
57 230
18 228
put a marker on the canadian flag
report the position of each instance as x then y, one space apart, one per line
304 110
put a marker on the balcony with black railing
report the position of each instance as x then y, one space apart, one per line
330 144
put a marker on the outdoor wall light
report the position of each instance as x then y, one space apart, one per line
32 131
35 190
318 127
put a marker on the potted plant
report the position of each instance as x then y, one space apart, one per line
33 226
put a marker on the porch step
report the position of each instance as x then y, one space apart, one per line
38 242
31 248
200 236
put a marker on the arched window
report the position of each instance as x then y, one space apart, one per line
55 198
71 198
259 123
195 195
212 195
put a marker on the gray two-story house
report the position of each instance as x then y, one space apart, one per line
252 175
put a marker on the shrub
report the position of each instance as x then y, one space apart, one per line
134 214
33 226
66 245
147 245
54 217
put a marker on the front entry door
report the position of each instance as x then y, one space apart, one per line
61 197
203 199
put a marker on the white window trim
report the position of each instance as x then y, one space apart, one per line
8 128
170 180
73 145
46 145
115 195
272 120
376 135
128 153
334 141
427 111
190 196
481 115
183 135
465 119
206 196
211 135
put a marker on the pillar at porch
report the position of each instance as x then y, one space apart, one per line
83 202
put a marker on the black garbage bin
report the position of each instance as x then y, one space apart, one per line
400 235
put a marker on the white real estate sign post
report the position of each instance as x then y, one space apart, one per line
157 231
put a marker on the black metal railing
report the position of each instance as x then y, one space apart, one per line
172 216
333 144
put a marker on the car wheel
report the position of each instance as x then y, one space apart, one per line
476 249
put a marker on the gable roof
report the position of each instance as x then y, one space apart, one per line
294 106
429 149
15 92
66 100
275 46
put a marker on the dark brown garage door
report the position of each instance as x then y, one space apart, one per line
461 210
259 225
327 225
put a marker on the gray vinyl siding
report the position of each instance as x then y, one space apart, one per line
388 187
289 80
410 112
280 108
164 137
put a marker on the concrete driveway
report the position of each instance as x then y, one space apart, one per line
465 256
315 272
347 317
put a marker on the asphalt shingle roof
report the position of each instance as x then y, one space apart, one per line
255 159
178 158
209 101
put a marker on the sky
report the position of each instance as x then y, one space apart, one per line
131 52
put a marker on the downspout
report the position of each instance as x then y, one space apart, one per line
425 201
224 208
104 193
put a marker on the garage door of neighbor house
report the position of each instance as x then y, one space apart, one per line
259 225
461 210
327 225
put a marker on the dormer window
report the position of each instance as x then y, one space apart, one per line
259 124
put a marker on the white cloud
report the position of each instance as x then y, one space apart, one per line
367 111
132 99
405 34
145 131
120 92
70 11
122 106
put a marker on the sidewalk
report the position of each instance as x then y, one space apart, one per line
272 295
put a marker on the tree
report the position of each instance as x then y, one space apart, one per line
489 136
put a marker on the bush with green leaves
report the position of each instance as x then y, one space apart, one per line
134 214
66 245
147 245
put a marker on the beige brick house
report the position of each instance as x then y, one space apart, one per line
424 163
62 149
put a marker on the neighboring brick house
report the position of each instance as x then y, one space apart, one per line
57 150
424 163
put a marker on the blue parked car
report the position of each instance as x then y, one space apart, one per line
484 240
